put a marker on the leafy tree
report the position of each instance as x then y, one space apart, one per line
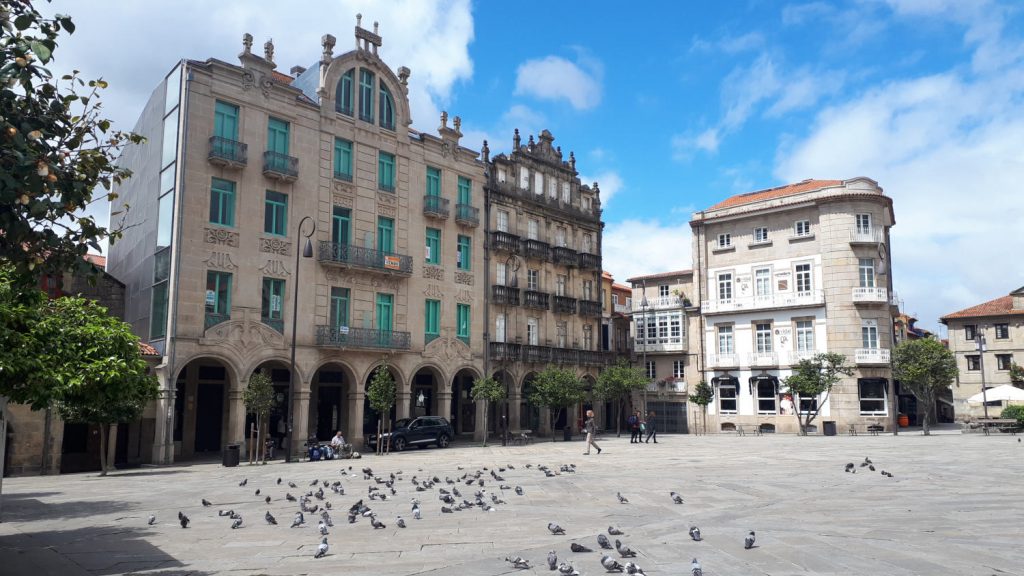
702 396
616 383
813 377
259 399
381 394
925 367
487 390
24 377
55 150
1015 411
1016 374
556 388
97 360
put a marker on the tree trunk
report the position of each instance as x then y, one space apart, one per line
618 418
103 449
380 434
928 407
487 405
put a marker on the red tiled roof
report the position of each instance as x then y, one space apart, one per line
778 192
282 78
147 350
617 286
606 274
1001 306
660 275
97 260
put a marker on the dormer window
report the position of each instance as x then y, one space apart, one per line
366 95
387 108
343 94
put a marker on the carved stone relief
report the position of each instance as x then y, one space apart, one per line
221 260
433 272
386 198
221 236
464 297
337 277
464 278
448 349
275 268
433 291
244 334
389 211
275 246
344 201
343 187
378 283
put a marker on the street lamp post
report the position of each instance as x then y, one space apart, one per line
307 252
980 341
643 351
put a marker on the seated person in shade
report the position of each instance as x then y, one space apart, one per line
338 441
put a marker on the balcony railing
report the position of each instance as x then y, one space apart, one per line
372 338
280 166
590 308
535 300
514 192
592 261
275 323
565 256
435 207
872 236
344 176
723 361
505 242
535 354
871 355
212 319
537 250
594 358
620 308
365 258
505 351
228 153
467 215
505 295
564 356
787 300
565 305
657 303
765 359
873 295
659 345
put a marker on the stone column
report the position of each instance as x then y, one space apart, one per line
545 421
237 434
163 433
403 403
443 404
300 422
354 418
513 410
478 432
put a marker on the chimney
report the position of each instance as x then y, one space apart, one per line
296 71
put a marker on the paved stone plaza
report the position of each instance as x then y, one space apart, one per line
954 506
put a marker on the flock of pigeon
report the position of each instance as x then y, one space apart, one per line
850 467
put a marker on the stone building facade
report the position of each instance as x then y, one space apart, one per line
782 274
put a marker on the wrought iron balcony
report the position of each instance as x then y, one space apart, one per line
565 256
280 166
212 320
505 295
371 338
592 261
467 215
435 207
275 323
590 308
505 242
565 305
535 300
348 255
537 250
228 153
504 351
345 176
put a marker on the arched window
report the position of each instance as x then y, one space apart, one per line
343 94
366 95
387 108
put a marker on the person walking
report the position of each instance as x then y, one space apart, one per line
634 427
652 428
591 429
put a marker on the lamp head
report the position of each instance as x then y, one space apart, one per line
307 250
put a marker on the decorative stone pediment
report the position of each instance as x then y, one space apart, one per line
243 335
464 278
275 268
221 237
448 349
275 246
433 272
341 200
220 261
433 291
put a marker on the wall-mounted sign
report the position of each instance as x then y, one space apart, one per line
392 262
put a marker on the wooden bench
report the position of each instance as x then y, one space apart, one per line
872 429
1005 425
520 437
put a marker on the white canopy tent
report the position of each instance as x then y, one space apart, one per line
998 394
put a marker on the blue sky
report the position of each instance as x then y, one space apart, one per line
673 106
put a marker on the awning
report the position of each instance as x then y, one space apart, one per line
998 394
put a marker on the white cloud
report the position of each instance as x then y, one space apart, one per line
636 247
729 44
609 183
555 78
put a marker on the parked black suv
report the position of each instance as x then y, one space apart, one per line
420 431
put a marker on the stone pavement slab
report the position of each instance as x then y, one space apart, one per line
953 507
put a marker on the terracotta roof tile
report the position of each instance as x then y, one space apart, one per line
778 192
97 260
617 286
147 350
660 275
282 78
1001 306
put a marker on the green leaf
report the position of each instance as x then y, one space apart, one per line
23 22
68 25
40 50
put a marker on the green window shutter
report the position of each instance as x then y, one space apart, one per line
343 95
277 136
339 307
431 320
433 246
341 226
386 171
462 322
465 189
275 214
222 202
385 235
342 159
365 95
384 304
465 253
433 182
225 121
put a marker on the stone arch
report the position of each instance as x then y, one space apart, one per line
370 416
426 388
234 370
206 415
355 59
463 408
531 416
332 391
302 378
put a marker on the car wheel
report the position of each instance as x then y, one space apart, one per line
398 444
443 441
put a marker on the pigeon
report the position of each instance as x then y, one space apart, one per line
579 548
183 519
314 482
695 569
234 515
613 531
298 521
610 564
622 499
676 497
867 460
748 542
207 503
624 550
567 569
152 519
351 518
401 522
518 562
519 490
292 485
257 491
849 466
237 523
555 528
603 542
416 512
289 497
632 568
552 560
446 510
278 481
243 482
695 533
322 527
321 550
871 467
326 518
267 499
225 512
269 518
377 524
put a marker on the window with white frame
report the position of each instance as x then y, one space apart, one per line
641 330
805 336
560 282
678 368
560 237
524 178
532 280
553 188
725 287
532 331
970 331
760 235
499 328
973 363
662 327
500 276
652 330
562 334
807 403
763 337
675 328
725 343
588 244
767 399
763 282
651 373
1004 361
872 396
532 229
502 221
502 175
724 240
802 228
803 279
727 397
866 266
1002 331
538 179
566 193
588 289
863 224
588 337
869 334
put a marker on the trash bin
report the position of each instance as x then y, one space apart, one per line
231 453
829 427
